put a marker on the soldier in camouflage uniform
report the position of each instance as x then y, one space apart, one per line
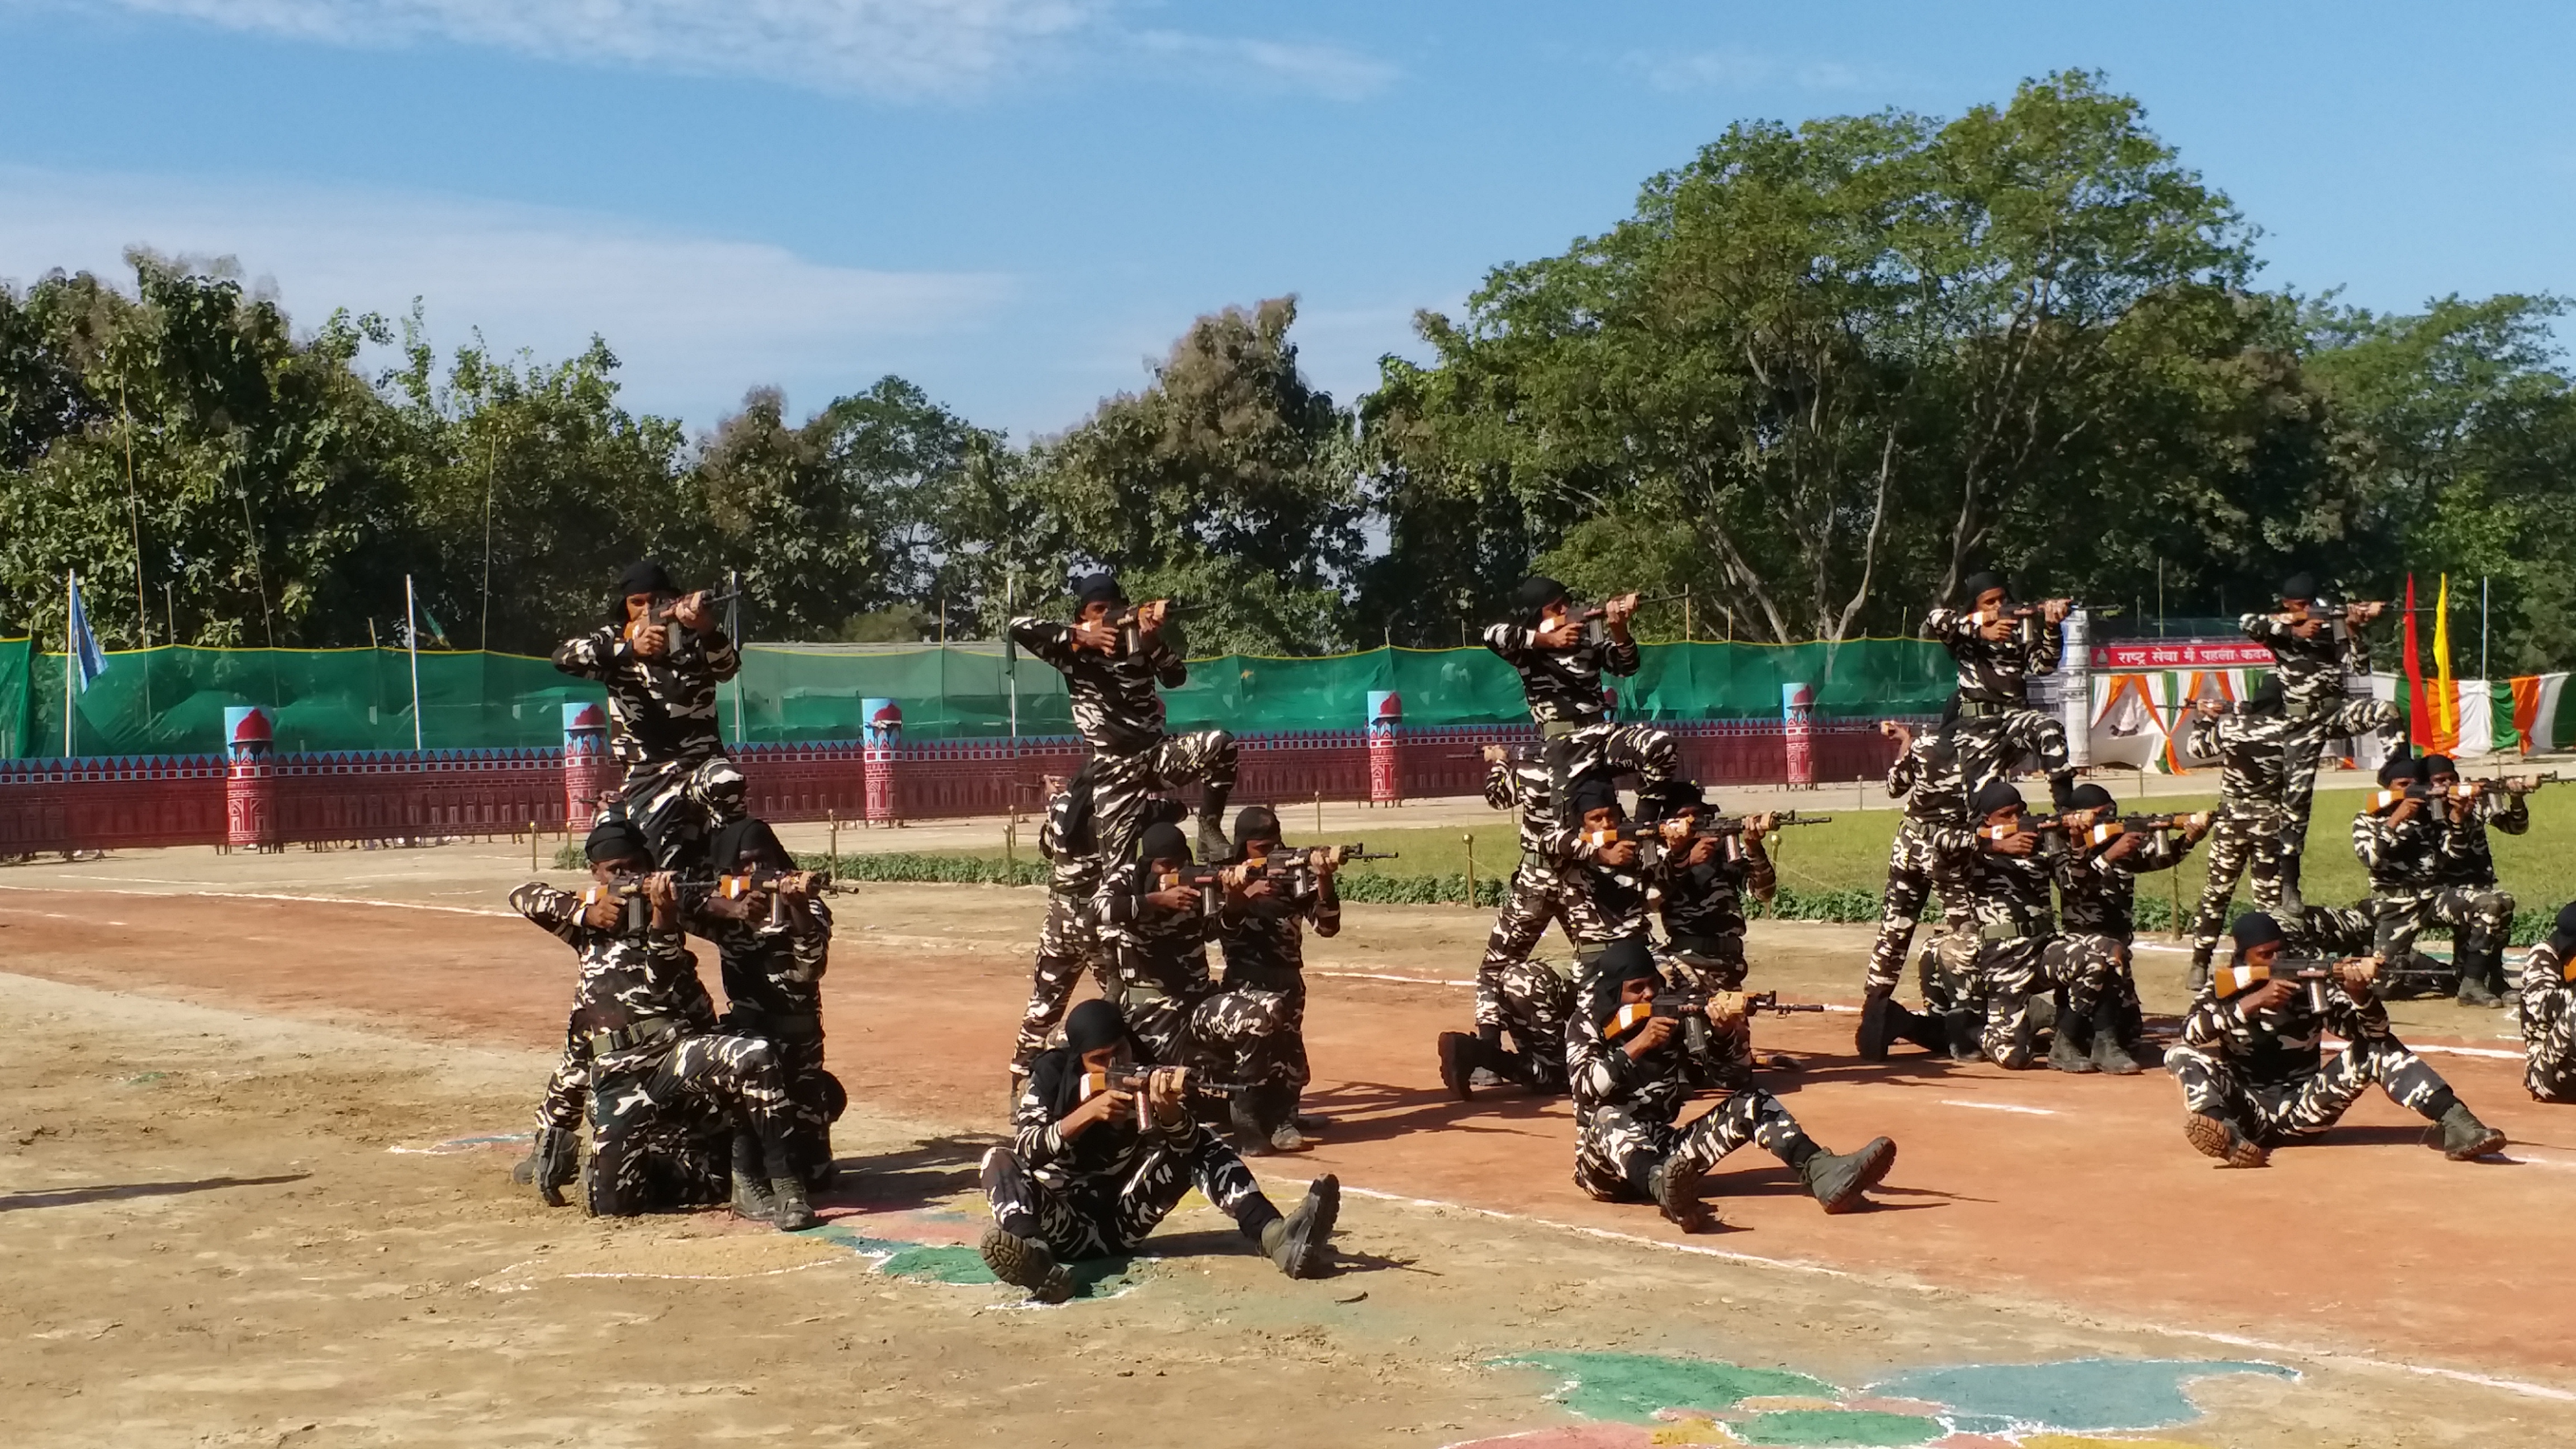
1630 1082
1529 999
1700 884
1066 944
2253 1068
1561 660
2247 826
1154 936
1997 654
1261 929
1932 844
2097 898
2468 860
2405 841
1111 674
637 1023
2008 889
2314 651
661 678
2548 996
772 947
1084 1177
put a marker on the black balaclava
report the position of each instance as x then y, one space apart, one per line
750 836
644 576
2254 928
1100 588
1254 822
614 840
2090 797
1671 798
2398 770
1531 599
1163 841
1093 1025
2563 939
1992 796
2438 765
1589 792
2300 586
1622 961
1976 585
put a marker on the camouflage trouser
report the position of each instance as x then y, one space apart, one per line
1103 1217
1914 871
2332 931
2093 968
677 804
1213 1032
2007 973
1718 1057
680 1159
735 1076
1278 1057
1066 948
567 1097
1652 755
1121 783
2303 743
2549 1043
2237 838
1615 1150
2480 920
2212 1087
1990 745
1537 894
814 1096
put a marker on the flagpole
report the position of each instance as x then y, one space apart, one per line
71 589
411 641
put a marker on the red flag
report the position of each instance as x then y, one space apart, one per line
2420 705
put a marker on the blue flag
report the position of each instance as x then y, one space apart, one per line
87 659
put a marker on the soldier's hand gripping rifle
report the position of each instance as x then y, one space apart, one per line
1291 862
1137 1082
664 615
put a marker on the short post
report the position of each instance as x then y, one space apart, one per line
1385 762
1319 815
1470 841
250 778
1797 732
833 850
884 733
532 847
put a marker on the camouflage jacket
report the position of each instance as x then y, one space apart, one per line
1995 671
2312 670
2098 896
1264 940
2286 1047
1116 705
772 970
2253 768
625 979
1602 1074
664 709
1563 685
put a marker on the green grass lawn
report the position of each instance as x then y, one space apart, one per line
1825 869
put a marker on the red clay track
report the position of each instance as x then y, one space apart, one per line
2087 1197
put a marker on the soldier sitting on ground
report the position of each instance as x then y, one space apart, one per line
1624 1054
2252 1061
2549 1013
1090 1171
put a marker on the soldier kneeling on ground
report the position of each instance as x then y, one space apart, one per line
1630 1080
2549 1013
1104 1147
2252 1061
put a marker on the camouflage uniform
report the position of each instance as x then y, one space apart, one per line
1626 1109
2097 923
1930 843
2246 827
1529 999
1703 911
2316 709
1066 944
2270 1076
1617 901
1264 945
1098 1194
2548 999
1566 699
1118 709
1158 969
679 783
773 985
637 1022
2406 863
2009 896
1996 723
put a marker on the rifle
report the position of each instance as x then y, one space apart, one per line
2315 971
1290 860
1586 616
1684 1005
2038 610
664 615
1713 827
629 889
2510 784
1133 1080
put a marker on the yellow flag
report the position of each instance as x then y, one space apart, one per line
2446 699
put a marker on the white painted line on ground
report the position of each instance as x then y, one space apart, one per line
1999 1107
278 896
2232 1340
2336 1043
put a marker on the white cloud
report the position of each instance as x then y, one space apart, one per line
899 49
1732 68
694 318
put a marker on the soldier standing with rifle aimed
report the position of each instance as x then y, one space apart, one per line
661 655
1561 657
1932 844
2317 645
1260 928
1998 645
2250 823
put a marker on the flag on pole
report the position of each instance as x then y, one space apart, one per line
436 634
87 660
2446 697
2419 708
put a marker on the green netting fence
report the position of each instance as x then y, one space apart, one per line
171 700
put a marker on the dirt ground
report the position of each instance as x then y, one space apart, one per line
243 1200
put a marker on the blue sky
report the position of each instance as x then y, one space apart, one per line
1017 202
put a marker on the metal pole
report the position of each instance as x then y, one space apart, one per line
411 642
170 601
71 583
733 626
2483 601
1470 839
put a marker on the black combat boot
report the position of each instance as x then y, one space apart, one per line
2220 1138
1460 1055
751 1197
788 1209
1841 1180
1674 1185
1214 845
2201 955
2292 904
2061 790
2475 972
1963 1033
553 1163
2110 1039
2070 1043
2461 1136
1278 1113
1300 1243
1243 1117
1025 1263
1877 1026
